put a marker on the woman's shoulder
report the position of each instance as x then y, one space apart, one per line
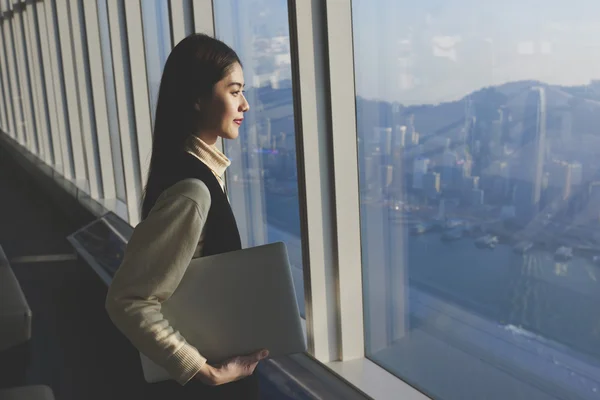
191 188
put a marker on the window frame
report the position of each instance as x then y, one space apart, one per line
48 80
23 76
69 84
34 96
181 15
39 87
99 100
14 77
57 78
140 92
81 67
322 41
7 107
125 109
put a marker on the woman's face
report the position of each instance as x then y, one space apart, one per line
224 112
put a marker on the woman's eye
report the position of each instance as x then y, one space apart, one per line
236 93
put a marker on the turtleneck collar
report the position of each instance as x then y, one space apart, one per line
209 155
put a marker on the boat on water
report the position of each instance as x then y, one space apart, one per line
523 247
487 242
563 253
452 235
420 229
453 223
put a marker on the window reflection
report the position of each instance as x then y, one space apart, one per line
262 181
480 195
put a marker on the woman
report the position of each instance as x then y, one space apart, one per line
185 214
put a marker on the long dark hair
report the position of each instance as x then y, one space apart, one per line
192 69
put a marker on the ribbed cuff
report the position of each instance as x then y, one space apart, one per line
184 364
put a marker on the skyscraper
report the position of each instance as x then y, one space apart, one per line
432 184
420 167
533 145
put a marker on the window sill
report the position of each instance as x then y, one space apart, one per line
374 381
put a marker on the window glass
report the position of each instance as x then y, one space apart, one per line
479 157
157 40
262 181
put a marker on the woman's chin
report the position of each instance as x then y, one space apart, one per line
230 135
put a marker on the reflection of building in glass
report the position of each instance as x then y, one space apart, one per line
449 168
594 200
576 174
533 145
420 168
432 184
400 137
559 180
477 197
413 135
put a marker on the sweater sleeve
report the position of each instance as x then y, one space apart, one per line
155 260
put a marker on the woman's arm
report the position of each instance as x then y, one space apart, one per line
156 259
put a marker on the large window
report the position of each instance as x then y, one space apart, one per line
480 195
262 181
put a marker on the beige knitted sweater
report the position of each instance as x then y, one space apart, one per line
156 257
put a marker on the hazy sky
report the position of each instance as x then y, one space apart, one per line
429 51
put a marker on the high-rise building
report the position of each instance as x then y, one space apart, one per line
400 137
432 184
383 137
411 131
470 183
594 200
559 180
420 168
477 197
576 174
449 166
533 145
566 125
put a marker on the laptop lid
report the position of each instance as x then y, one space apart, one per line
234 304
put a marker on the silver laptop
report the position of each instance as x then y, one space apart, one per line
235 304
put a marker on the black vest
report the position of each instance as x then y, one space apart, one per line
221 231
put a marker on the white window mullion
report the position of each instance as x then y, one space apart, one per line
24 87
34 78
54 127
8 104
43 126
345 170
82 72
313 148
203 17
56 90
72 98
182 20
99 99
139 85
14 80
122 76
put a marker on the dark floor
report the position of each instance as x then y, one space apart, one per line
75 348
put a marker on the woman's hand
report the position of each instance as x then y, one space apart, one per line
232 370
